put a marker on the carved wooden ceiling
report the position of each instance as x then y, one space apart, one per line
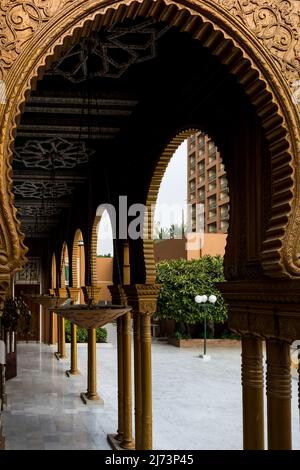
67 120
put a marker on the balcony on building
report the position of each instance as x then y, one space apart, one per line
212 202
212 228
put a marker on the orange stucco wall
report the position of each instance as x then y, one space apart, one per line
211 244
105 276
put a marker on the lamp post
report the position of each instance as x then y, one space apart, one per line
204 301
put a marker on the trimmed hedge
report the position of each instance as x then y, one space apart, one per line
82 334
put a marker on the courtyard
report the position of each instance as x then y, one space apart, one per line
196 404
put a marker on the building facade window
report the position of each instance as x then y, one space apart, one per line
208 183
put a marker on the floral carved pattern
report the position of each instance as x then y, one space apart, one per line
19 21
277 24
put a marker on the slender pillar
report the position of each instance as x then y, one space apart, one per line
62 353
52 328
299 379
279 395
119 435
92 366
58 354
253 398
73 370
146 376
127 440
137 382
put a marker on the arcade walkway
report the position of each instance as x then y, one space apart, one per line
196 405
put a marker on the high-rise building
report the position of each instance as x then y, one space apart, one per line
207 183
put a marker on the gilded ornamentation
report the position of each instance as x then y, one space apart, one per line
143 297
277 25
249 36
19 21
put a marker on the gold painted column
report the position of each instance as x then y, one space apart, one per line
119 435
52 328
73 370
137 381
119 298
58 353
92 366
143 299
146 376
62 338
279 395
253 389
62 292
73 295
127 438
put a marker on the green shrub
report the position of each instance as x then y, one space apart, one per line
82 334
181 281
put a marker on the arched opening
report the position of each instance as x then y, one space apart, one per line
104 252
207 72
64 273
52 315
251 71
78 264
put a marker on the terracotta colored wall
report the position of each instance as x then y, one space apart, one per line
105 276
169 249
213 244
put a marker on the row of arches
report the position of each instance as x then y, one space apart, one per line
241 95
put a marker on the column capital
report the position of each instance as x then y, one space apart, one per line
91 292
118 294
142 297
73 293
62 292
5 282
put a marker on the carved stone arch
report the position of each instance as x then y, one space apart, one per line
64 254
53 272
228 29
93 251
160 169
75 256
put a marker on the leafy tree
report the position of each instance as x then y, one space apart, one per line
181 281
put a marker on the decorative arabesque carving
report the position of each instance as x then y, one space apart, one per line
56 153
211 22
19 21
277 25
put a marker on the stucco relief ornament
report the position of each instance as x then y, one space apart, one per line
19 20
277 25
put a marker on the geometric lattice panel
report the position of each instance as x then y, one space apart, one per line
36 211
109 53
55 153
37 190
31 273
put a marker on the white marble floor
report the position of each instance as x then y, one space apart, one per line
196 404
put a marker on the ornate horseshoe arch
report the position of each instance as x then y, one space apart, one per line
264 56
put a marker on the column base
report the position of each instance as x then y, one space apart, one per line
115 443
72 374
205 357
97 401
59 357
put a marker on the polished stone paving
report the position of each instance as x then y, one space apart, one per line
196 404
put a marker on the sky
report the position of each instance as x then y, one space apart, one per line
172 198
